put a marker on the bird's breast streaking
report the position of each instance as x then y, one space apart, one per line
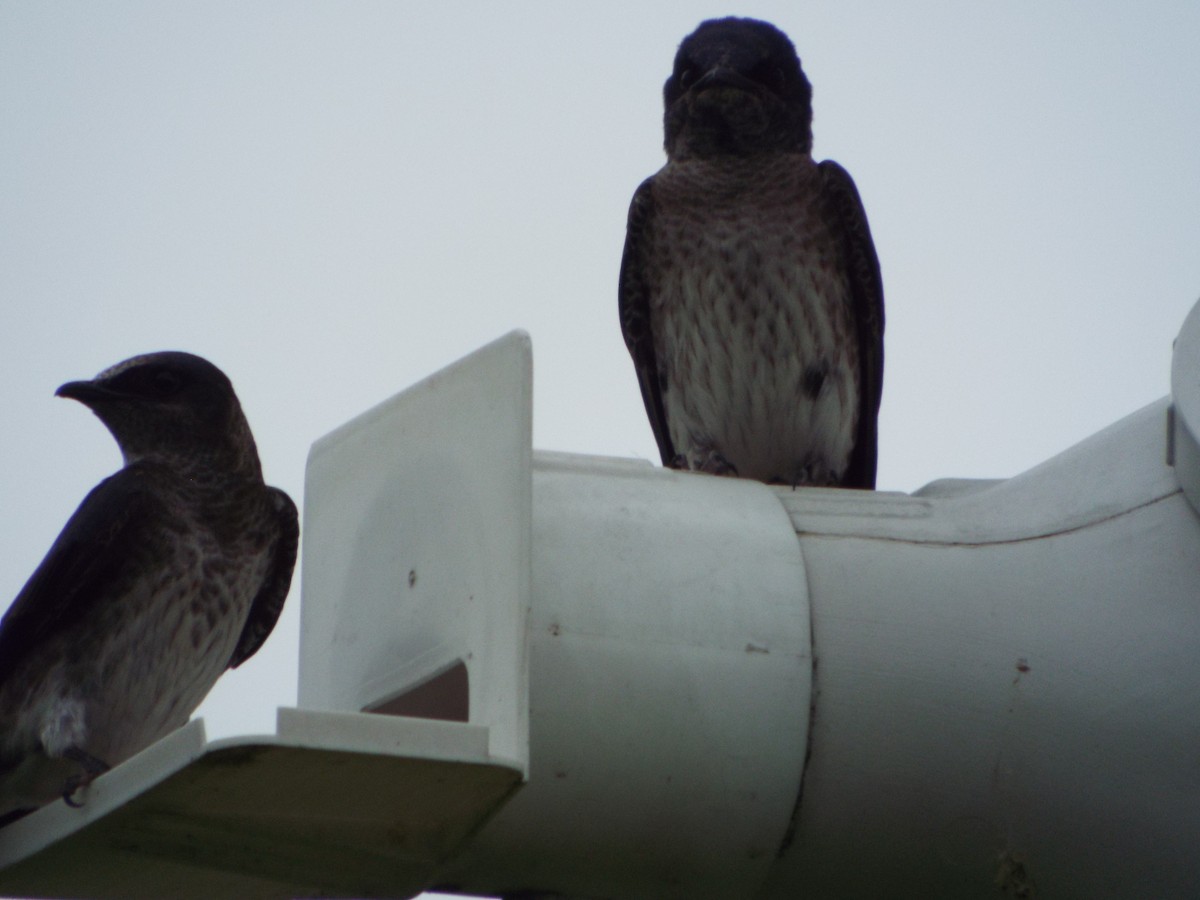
752 323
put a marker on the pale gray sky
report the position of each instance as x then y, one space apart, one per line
331 201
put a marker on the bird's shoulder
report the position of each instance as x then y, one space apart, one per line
631 279
839 190
845 212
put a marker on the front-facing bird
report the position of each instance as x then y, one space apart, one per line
750 293
171 571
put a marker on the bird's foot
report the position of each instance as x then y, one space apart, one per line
812 474
92 767
708 461
796 481
713 463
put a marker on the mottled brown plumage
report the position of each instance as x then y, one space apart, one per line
171 570
750 294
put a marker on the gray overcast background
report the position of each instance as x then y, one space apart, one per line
332 201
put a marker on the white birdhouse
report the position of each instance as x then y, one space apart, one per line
585 677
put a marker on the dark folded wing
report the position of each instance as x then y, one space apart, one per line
268 602
845 210
633 303
96 556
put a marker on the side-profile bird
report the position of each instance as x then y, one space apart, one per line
750 294
171 571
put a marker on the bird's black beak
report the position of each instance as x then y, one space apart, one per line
86 392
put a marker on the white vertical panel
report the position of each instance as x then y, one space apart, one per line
417 542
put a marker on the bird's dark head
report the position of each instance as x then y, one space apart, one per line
171 407
737 89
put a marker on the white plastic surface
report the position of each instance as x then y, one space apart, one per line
1185 394
670 688
1003 698
1006 684
417 543
335 804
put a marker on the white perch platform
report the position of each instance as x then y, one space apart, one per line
568 676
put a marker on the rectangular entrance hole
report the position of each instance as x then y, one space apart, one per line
443 696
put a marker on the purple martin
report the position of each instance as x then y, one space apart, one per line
750 294
171 571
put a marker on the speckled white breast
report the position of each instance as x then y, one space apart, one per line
749 311
158 669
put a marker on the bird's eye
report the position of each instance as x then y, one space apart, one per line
687 77
166 383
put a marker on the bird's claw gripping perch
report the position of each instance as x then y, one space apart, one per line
92 768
